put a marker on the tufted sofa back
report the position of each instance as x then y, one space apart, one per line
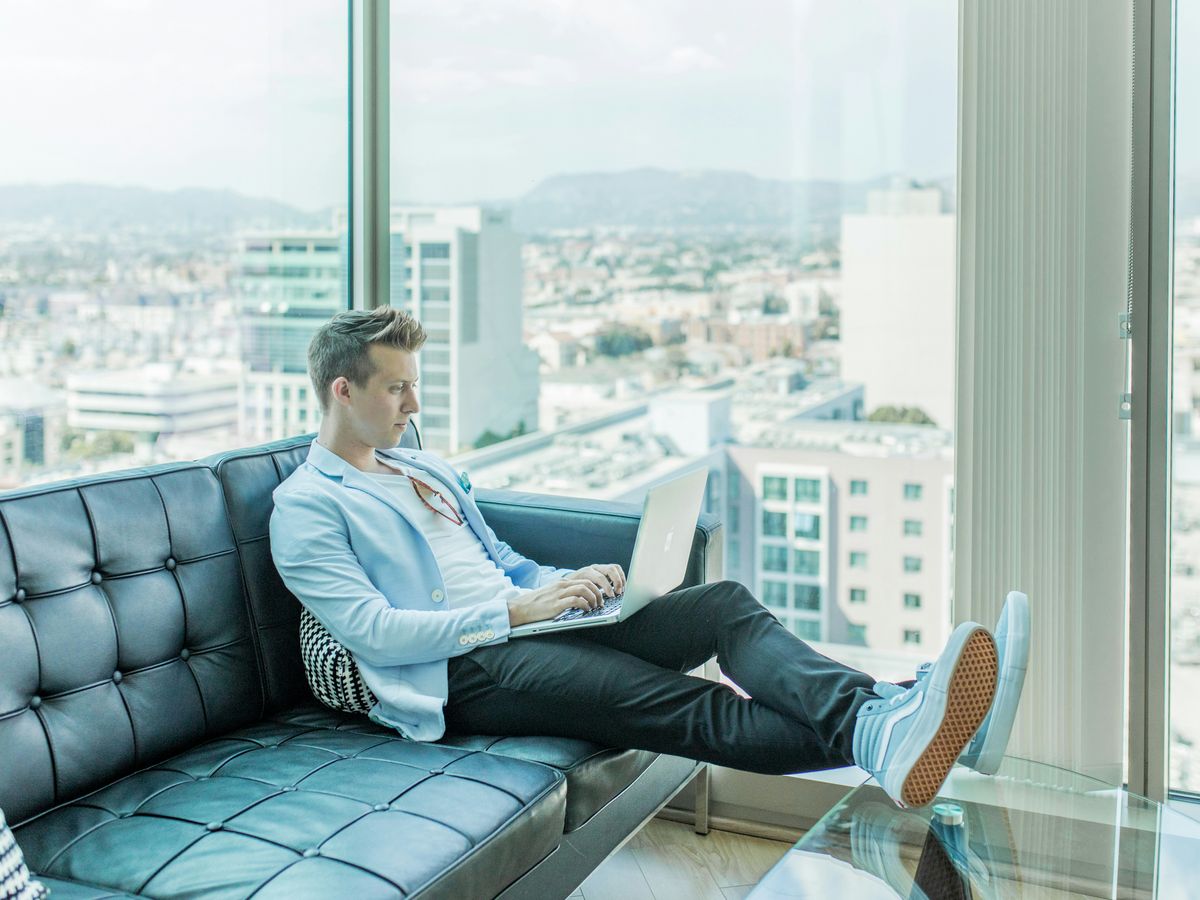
125 634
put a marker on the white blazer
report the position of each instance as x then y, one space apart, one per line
348 551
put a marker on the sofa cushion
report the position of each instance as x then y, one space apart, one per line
594 774
290 809
124 632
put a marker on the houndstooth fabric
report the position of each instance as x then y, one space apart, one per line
15 883
332 673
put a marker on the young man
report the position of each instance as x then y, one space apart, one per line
390 552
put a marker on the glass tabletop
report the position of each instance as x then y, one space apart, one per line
1030 830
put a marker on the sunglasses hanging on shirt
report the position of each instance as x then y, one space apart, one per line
428 495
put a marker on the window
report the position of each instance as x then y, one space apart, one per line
808 490
912 636
912 564
808 526
912 527
858 595
912 601
858 523
806 629
806 562
775 559
856 634
807 597
775 593
774 524
858 559
435 251
774 488
858 488
912 491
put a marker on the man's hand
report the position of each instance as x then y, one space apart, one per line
579 589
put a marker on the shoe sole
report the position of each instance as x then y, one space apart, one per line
969 695
1008 689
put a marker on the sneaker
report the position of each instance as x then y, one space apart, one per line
985 752
910 737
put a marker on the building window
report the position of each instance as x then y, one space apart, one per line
856 634
858 559
808 490
858 489
435 251
807 596
774 524
775 594
808 526
806 562
775 559
912 564
858 595
806 629
912 601
858 523
912 636
912 491
735 516
774 488
912 527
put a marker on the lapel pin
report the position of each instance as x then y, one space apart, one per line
465 481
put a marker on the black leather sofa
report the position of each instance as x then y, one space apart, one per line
157 737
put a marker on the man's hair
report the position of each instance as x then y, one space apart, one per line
340 345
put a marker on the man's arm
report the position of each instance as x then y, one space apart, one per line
313 555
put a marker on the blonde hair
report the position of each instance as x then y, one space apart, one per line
340 345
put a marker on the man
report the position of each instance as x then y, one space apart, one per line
390 552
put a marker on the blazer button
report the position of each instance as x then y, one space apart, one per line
463 640
473 639
489 634
437 596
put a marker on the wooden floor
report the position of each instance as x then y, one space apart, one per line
669 861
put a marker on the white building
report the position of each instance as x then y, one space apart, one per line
153 399
897 306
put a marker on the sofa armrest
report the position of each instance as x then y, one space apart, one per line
570 533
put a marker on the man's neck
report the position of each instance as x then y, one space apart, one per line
356 454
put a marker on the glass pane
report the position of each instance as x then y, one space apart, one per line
1185 496
712 237
173 188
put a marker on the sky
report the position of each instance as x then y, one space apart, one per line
487 98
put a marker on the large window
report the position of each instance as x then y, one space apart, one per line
1185 494
173 195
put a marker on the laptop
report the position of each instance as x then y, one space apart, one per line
660 555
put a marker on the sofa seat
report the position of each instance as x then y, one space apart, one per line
303 806
595 774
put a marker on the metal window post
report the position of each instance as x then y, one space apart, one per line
370 196
1151 237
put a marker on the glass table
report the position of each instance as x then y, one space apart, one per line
1031 830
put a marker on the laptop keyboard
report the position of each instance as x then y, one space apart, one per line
610 605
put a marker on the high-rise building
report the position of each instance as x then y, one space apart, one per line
458 269
897 308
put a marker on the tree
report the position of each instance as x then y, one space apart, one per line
903 415
622 340
490 437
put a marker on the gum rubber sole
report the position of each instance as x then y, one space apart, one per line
968 699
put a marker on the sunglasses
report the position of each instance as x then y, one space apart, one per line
428 495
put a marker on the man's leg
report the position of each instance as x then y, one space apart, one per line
571 687
685 628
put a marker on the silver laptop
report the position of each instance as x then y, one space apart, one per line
660 555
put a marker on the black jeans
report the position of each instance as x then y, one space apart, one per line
624 686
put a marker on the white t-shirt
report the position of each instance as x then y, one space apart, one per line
468 572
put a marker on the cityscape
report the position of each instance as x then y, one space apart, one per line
810 371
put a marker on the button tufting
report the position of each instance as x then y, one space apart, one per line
213 826
97 578
185 653
117 677
202 778
380 807
170 563
288 787
311 852
437 771
35 701
20 595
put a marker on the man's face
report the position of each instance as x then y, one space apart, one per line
378 413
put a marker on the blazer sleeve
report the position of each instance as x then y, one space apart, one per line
311 550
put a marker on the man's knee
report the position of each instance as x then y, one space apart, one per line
728 593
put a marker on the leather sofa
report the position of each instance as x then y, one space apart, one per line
158 739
